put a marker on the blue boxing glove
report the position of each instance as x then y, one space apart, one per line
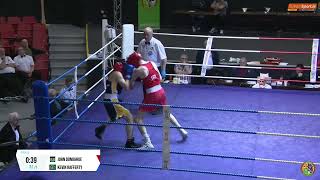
128 71
163 74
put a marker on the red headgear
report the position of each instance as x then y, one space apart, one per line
134 59
118 66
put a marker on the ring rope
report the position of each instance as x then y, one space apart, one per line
240 50
194 171
80 79
88 58
179 153
194 108
152 167
240 67
198 129
230 37
240 78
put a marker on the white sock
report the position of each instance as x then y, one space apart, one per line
183 131
147 138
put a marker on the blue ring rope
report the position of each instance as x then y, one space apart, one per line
196 108
75 83
69 126
157 105
196 128
159 168
177 153
181 170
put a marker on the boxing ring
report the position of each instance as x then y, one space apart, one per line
234 133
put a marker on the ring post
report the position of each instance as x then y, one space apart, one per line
314 60
42 114
127 40
166 141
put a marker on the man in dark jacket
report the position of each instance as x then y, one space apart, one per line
10 134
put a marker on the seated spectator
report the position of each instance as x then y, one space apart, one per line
55 107
69 94
243 72
24 66
10 85
300 75
262 83
219 9
11 133
29 50
183 69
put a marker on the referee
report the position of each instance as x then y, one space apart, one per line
151 49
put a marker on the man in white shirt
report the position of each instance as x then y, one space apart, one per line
151 49
262 83
24 65
69 94
9 85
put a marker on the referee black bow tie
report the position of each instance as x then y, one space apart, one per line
148 43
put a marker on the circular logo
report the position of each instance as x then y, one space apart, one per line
308 168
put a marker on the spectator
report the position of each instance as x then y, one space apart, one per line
300 75
198 21
29 50
210 71
262 83
55 107
25 45
69 94
219 9
244 72
11 133
9 84
183 69
151 49
24 66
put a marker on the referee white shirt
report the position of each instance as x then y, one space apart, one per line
152 51
24 63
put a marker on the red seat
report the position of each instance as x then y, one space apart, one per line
5 43
8 35
42 58
3 20
39 27
13 20
6 28
24 34
24 27
41 65
29 20
40 42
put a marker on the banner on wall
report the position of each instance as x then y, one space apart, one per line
302 7
149 14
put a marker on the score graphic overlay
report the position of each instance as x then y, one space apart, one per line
58 160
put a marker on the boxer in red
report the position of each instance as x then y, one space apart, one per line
149 74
